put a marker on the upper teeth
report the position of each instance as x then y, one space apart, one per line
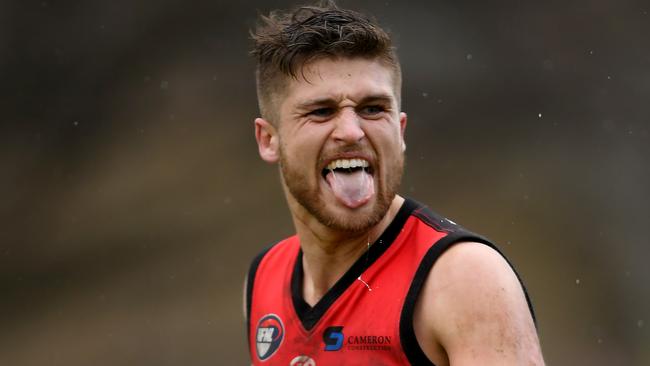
348 163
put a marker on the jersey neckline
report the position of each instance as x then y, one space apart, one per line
308 315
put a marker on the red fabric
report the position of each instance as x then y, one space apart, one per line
370 318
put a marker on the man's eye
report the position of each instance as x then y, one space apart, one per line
322 112
371 110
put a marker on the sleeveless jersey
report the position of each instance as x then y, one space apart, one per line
366 318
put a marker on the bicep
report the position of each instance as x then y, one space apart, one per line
475 308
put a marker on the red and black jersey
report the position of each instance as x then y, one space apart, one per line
366 318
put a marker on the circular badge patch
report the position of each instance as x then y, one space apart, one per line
268 336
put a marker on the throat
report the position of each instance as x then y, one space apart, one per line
321 270
312 295
318 279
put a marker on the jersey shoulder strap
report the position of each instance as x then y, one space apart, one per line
250 282
455 234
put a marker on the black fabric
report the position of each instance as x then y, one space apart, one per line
456 234
250 281
308 315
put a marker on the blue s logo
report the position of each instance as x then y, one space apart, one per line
333 338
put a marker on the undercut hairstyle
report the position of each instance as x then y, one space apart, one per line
287 41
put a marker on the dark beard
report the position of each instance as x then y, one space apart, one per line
310 200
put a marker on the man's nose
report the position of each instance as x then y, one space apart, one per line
348 127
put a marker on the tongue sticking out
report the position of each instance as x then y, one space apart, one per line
352 189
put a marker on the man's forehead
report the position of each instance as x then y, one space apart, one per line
342 78
321 69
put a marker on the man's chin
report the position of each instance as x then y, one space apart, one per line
352 226
340 216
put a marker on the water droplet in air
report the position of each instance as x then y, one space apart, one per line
639 324
469 57
577 281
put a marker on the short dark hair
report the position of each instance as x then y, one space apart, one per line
286 41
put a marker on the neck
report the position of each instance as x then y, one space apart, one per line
328 254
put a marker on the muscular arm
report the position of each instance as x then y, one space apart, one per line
472 311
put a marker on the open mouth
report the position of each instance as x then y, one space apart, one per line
347 166
351 181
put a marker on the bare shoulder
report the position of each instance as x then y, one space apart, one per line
472 310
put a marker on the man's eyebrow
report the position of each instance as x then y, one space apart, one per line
381 98
316 102
374 98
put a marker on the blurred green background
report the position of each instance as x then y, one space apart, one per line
132 198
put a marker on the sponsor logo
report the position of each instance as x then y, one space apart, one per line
333 338
302 361
268 336
369 343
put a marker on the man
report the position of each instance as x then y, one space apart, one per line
357 284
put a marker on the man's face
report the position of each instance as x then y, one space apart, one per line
340 142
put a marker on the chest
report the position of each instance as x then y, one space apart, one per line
359 327
353 324
359 321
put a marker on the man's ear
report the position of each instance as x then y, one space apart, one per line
402 128
267 140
